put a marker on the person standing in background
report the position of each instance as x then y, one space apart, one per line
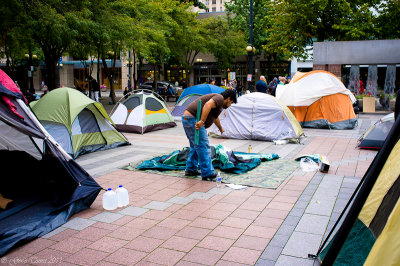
95 88
272 86
261 85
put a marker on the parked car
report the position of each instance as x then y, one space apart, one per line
163 88
146 87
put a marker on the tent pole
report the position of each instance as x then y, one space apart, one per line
39 125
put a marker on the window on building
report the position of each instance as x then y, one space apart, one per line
214 2
214 9
207 2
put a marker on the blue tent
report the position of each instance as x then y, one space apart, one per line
202 89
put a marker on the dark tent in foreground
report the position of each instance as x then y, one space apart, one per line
369 234
374 137
44 187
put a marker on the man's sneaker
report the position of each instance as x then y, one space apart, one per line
191 173
211 177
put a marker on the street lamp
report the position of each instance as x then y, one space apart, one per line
250 49
59 65
129 65
111 54
199 60
31 68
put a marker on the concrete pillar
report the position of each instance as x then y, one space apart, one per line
320 67
335 69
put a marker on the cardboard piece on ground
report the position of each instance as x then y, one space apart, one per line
369 104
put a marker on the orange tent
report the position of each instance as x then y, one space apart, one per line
318 99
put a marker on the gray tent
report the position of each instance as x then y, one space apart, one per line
259 116
374 137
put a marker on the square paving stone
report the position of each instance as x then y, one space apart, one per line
157 205
309 245
133 211
321 206
107 217
78 223
286 229
180 200
220 191
314 224
271 253
54 232
297 212
262 262
200 195
279 241
291 220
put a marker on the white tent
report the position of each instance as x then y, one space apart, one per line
258 116
307 88
142 112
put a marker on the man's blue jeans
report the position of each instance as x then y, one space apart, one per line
201 153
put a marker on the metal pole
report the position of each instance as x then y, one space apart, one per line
129 69
58 72
30 72
251 44
98 71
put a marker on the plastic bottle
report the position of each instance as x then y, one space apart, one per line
110 201
249 149
122 196
218 180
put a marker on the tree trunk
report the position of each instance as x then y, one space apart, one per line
155 77
51 65
110 79
98 71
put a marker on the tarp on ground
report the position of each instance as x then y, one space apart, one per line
142 112
78 123
318 99
374 136
368 233
45 184
259 116
201 89
224 159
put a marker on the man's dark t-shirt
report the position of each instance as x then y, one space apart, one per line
214 113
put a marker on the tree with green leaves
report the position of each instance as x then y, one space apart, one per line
53 25
225 42
294 24
12 39
188 40
238 16
388 21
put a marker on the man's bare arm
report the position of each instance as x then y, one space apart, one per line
218 124
204 114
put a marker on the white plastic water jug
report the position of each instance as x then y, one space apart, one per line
110 201
123 196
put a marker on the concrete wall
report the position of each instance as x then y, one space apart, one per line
357 52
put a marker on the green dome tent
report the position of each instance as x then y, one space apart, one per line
78 123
